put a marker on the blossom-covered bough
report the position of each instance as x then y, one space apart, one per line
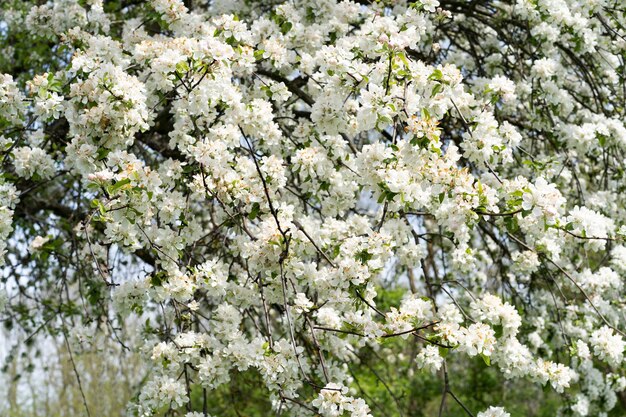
285 192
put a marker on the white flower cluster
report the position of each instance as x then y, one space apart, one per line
333 402
4 300
608 346
109 105
48 103
494 412
8 200
491 309
30 162
12 104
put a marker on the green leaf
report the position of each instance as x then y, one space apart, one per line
102 153
268 90
52 245
486 358
499 330
158 279
119 184
254 212
437 75
258 54
182 67
443 352
285 27
436 89
363 256
310 14
95 203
